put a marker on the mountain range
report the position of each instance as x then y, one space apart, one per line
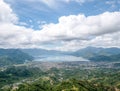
99 54
18 56
90 53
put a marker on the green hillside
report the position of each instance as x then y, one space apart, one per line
13 56
99 54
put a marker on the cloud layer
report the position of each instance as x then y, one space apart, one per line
70 33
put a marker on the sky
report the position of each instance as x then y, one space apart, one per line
65 25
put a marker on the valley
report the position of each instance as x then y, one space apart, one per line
53 74
60 71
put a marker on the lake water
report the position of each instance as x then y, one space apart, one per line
60 58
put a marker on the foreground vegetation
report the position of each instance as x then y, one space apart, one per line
68 85
72 78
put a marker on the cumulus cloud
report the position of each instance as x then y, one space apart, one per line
83 28
6 13
70 33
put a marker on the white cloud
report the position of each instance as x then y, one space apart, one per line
71 32
77 31
82 27
108 40
6 13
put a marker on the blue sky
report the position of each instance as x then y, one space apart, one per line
65 25
36 12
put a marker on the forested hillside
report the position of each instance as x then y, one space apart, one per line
99 54
13 56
